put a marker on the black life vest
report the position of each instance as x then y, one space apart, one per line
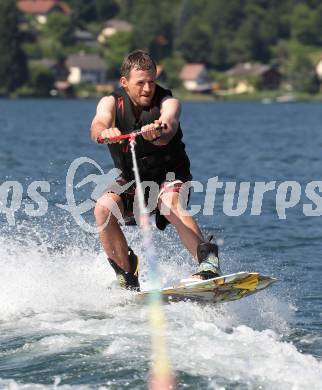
153 161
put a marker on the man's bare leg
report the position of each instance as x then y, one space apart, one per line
110 232
189 232
187 228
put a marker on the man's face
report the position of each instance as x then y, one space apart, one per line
140 86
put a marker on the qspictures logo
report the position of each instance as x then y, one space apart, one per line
237 197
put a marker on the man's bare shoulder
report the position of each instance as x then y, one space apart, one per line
171 104
171 100
104 117
107 103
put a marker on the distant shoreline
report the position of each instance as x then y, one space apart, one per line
265 97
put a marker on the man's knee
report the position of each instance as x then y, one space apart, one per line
171 198
108 205
168 202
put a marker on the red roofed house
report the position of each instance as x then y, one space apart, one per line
41 8
195 78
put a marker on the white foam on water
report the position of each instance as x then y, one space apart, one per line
120 346
13 385
52 344
212 345
61 301
33 280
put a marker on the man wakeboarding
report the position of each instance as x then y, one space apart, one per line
141 104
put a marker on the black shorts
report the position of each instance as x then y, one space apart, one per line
166 186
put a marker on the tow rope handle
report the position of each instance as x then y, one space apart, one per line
130 136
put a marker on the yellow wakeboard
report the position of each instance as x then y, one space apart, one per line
221 289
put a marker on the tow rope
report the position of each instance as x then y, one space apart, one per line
161 376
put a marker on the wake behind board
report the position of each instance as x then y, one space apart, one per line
221 289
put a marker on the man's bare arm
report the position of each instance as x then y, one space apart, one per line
170 114
104 118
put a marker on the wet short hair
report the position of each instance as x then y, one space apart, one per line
137 59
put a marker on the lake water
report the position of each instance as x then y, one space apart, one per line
60 324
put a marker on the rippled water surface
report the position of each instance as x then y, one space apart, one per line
62 326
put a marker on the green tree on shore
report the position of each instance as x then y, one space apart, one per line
13 65
93 10
59 27
118 46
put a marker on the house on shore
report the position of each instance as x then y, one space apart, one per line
195 78
113 26
86 68
40 9
84 37
247 77
60 73
58 68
